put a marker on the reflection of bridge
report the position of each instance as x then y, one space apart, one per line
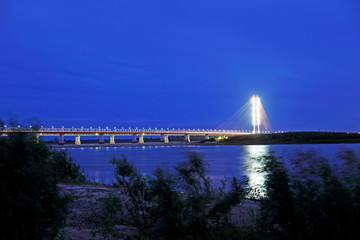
137 134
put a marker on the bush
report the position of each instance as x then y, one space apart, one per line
314 201
111 208
65 168
30 204
123 171
183 205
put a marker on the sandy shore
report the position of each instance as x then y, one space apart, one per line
83 219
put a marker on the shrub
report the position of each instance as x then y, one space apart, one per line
30 204
123 171
65 168
183 205
111 207
316 200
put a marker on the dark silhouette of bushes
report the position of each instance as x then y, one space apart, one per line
180 205
315 200
30 204
65 167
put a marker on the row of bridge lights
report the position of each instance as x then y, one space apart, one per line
144 128
178 129
160 129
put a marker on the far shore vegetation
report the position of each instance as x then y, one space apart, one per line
293 138
313 200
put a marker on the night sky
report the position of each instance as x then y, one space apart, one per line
188 64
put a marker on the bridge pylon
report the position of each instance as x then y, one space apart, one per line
256 113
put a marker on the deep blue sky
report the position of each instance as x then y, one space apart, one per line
181 63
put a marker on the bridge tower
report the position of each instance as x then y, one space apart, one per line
256 113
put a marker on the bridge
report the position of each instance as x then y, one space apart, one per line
258 118
137 133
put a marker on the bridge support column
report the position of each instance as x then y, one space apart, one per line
164 138
187 138
141 138
112 139
61 139
134 138
206 136
101 139
77 140
37 136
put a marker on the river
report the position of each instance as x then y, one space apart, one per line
224 161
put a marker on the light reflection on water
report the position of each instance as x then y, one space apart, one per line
224 161
253 172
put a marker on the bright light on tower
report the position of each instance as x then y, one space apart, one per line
256 113
253 109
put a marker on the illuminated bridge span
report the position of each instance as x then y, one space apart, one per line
137 134
258 117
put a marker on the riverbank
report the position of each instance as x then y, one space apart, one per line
83 220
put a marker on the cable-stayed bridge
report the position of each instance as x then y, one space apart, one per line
137 133
258 118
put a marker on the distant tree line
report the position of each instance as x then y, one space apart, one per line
294 137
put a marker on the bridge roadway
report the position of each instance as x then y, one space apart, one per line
137 133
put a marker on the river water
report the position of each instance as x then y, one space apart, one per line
223 161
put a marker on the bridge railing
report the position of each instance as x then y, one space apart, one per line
120 130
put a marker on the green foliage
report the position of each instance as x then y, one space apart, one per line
277 206
123 171
315 201
138 207
166 206
226 200
111 207
30 204
65 168
192 175
182 205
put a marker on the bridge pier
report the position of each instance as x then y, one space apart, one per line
37 137
61 139
141 138
134 138
164 138
187 138
112 139
101 139
206 136
77 140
